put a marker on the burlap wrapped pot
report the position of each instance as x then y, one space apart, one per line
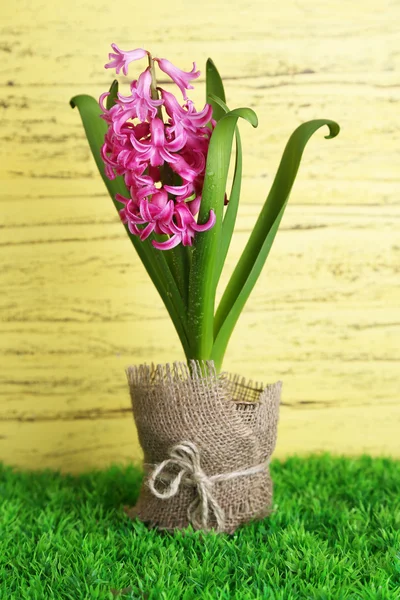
207 441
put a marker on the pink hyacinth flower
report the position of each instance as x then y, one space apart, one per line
121 58
157 150
189 165
139 104
147 153
181 78
189 119
156 214
144 186
185 227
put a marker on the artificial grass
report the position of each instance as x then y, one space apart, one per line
335 535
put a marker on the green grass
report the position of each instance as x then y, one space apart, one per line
335 535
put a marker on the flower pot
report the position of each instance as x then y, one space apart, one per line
207 441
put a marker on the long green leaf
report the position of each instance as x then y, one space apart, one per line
257 249
202 275
153 260
228 224
216 97
214 87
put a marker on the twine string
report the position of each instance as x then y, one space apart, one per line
186 456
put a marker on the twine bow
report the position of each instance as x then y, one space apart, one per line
186 456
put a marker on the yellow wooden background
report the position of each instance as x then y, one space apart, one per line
77 306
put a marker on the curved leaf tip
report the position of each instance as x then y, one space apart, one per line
245 113
78 101
334 129
250 116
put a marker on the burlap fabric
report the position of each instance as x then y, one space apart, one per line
205 426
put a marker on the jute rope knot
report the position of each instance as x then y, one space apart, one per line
186 456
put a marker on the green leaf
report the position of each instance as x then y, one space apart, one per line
228 224
112 98
257 249
153 260
202 286
214 86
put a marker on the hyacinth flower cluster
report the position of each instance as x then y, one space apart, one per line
162 158
167 164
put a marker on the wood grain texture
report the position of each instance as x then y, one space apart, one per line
77 306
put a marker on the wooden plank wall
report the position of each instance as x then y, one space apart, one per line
77 306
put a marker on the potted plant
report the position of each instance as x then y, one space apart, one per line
207 435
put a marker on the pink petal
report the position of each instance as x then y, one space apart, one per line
167 212
163 227
180 191
160 199
172 106
121 199
122 58
144 234
101 101
184 215
171 243
181 78
210 223
143 89
157 132
133 228
187 238
181 167
194 205
144 210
